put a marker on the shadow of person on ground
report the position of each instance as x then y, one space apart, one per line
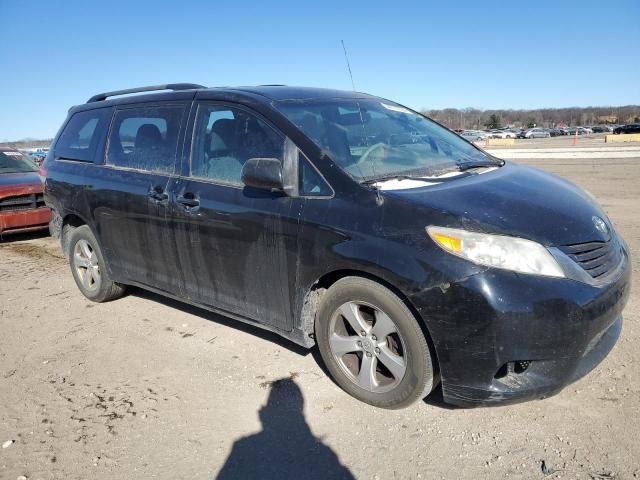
286 447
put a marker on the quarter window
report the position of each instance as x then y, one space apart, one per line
311 182
146 138
81 136
225 138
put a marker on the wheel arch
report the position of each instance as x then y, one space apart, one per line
68 223
313 295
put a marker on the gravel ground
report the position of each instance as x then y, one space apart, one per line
145 387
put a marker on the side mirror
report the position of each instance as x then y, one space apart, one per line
263 173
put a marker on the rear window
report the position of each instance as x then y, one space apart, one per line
146 138
83 136
12 161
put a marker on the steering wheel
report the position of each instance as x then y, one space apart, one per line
371 149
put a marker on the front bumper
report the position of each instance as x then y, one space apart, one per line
24 220
485 326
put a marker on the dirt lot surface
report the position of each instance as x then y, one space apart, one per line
145 387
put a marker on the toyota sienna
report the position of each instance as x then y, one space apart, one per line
408 255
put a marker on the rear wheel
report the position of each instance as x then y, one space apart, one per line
88 267
372 344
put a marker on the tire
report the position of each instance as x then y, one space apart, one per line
88 267
409 376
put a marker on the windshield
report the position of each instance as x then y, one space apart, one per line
374 138
12 161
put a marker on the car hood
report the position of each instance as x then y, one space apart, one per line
19 178
513 200
13 182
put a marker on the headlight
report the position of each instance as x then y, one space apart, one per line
509 253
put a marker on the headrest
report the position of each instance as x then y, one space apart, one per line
148 135
222 134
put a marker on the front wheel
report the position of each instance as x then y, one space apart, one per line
372 344
88 267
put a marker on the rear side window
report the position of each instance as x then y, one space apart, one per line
83 136
146 138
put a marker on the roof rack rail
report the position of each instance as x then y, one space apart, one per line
169 86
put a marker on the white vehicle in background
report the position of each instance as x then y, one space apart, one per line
474 135
501 134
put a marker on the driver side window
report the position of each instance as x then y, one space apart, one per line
225 138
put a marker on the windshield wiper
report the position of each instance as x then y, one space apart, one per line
413 177
470 165
462 167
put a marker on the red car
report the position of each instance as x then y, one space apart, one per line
22 207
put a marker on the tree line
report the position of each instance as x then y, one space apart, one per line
475 119
27 143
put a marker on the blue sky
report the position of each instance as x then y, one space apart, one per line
423 54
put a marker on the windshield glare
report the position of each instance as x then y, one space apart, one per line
374 138
12 161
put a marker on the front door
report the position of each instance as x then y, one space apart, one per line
238 246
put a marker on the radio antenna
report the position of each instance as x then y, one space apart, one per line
379 199
346 57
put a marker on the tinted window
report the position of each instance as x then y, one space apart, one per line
225 138
82 135
12 161
146 138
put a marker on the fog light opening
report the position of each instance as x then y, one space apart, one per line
517 367
521 366
502 371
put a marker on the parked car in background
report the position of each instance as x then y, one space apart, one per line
574 131
600 129
474 135
631 128
534 133
586 130
501 134
38 155
556 132
22 207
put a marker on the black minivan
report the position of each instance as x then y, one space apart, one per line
408 255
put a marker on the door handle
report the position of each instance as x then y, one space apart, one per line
157 194
188 200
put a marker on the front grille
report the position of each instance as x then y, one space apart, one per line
596 258
22 202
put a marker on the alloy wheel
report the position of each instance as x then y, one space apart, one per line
85 262
367 345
